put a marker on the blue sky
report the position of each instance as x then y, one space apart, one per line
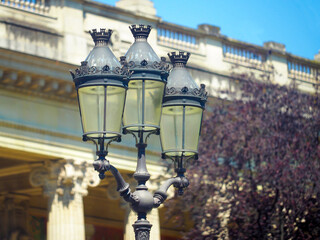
295 23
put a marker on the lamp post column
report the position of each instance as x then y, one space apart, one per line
131 217
141 175
142 226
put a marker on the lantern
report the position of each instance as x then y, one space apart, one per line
182 111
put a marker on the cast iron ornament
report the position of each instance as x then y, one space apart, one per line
142 234
179 58
200 93
101 38
85 70
140 31
144 64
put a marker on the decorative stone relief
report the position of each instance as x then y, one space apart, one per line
38 176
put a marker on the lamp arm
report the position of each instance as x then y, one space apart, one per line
122 186
161 195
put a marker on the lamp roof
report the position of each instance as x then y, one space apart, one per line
141 50
101 55
179 77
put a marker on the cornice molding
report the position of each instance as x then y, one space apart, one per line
117 13
30 26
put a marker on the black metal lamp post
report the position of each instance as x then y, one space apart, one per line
109 94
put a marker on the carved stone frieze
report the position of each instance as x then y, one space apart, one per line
41 86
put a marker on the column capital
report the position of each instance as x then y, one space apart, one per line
64 176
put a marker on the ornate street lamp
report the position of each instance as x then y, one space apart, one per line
182 111
101 85
146 84
104 87
142 113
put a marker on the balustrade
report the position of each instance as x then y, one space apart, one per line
36 6
246 57
177 39
303 71
242 54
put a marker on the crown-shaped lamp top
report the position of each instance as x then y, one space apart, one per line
101 38
101 55
179 58
140 31
141 50
179 76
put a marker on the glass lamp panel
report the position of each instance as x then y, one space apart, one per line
171 130
101 110
114 109
91 100
192 127
143 104
153 102
180 129
133 107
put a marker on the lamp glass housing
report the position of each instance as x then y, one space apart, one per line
180 130
146 87
101 88
101 112
182 111
143 105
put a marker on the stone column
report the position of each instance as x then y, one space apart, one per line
131 217
14 216
154 219
65 182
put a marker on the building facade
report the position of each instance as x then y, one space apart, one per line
48 188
